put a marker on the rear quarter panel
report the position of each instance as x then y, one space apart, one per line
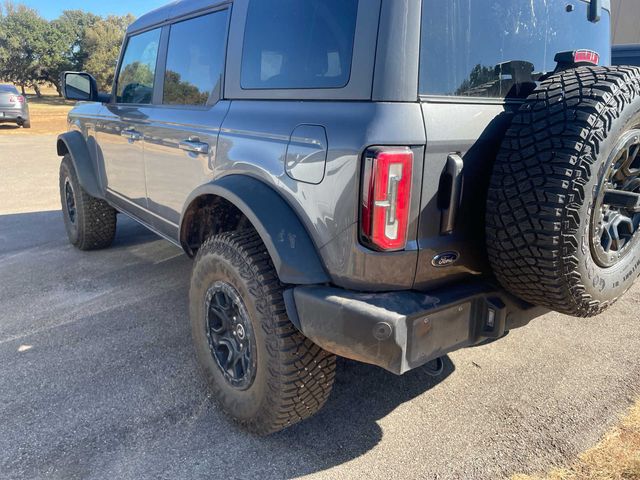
253 141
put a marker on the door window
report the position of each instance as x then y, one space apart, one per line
138 69
195 60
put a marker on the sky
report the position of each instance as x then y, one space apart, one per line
52 8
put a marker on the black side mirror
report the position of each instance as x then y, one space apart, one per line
80 86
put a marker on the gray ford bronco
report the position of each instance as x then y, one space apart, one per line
385 180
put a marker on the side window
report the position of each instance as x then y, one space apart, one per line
138 68
298 44
195 59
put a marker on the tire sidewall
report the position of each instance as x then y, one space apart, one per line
67 173
209 268
606 284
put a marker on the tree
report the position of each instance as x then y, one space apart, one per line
102 42
180 92
24 45
34 51
73 25
481 80
66 45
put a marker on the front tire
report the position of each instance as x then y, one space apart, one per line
263 372
90 222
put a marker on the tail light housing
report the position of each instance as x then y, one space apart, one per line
386 197
16 99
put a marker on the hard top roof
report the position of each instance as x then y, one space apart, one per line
170 11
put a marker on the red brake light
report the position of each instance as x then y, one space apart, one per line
18 99
386 197
586 56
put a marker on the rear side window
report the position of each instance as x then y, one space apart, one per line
195 59
295 44
499 48
138 68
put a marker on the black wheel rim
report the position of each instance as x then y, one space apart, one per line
70 201
616 215
230 335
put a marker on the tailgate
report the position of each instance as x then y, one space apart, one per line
451 240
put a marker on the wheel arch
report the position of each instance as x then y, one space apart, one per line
74 144
290 246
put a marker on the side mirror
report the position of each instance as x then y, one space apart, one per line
81 86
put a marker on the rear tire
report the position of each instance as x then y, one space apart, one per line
26 124
546 216
262 371
90 222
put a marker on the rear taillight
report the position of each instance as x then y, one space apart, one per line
16 99
386 197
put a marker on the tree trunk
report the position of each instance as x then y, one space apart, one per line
23 92
36 87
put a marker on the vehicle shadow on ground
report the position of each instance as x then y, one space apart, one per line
113 371
348 426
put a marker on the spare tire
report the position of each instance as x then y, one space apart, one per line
563 209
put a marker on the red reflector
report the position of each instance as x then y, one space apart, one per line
18 99
586 56
386 196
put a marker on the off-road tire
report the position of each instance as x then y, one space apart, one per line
293 376
94 224
547 175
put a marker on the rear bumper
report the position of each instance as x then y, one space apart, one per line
400 331
13 115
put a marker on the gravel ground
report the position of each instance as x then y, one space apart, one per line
98 377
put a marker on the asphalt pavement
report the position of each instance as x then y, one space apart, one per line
98 378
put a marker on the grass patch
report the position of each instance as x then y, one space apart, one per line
616 457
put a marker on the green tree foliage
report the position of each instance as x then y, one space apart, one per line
135 84
102 44
480 81
33 50
67 50
24 44
179 92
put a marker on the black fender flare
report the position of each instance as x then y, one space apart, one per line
290 246
75 144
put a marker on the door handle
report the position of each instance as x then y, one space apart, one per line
131 134
195 146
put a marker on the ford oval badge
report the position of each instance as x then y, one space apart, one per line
445 259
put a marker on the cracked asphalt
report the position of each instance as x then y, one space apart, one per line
98 378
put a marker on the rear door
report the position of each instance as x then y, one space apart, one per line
182 132
122 122
479 60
